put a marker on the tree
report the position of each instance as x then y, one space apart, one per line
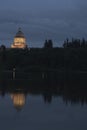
2 48
48 44
45 44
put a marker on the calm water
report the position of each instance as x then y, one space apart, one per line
44 105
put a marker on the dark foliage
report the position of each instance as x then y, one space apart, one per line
75 43
72 57
72 87
48 44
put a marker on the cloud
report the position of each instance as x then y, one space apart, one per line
54 20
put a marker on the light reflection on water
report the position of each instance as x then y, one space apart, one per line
48 104
18 100
38 115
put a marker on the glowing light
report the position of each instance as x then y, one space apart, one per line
19 40
18 100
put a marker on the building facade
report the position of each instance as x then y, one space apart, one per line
19 40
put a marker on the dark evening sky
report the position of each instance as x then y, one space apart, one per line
43 19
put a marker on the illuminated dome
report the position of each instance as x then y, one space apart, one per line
19 40
19 34
18 100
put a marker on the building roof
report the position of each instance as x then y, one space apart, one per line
19 34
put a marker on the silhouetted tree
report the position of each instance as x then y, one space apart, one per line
45 44
75 43
2 48
48 44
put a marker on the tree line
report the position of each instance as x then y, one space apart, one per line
75 43
47 57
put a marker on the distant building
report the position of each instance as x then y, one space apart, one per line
19 40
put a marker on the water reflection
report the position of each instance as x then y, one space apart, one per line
47 97
72 88
18 100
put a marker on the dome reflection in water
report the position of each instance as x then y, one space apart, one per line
18 100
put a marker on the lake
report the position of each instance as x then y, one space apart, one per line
57 101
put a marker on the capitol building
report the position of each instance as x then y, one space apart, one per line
19 40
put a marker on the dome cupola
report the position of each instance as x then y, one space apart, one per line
19 34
